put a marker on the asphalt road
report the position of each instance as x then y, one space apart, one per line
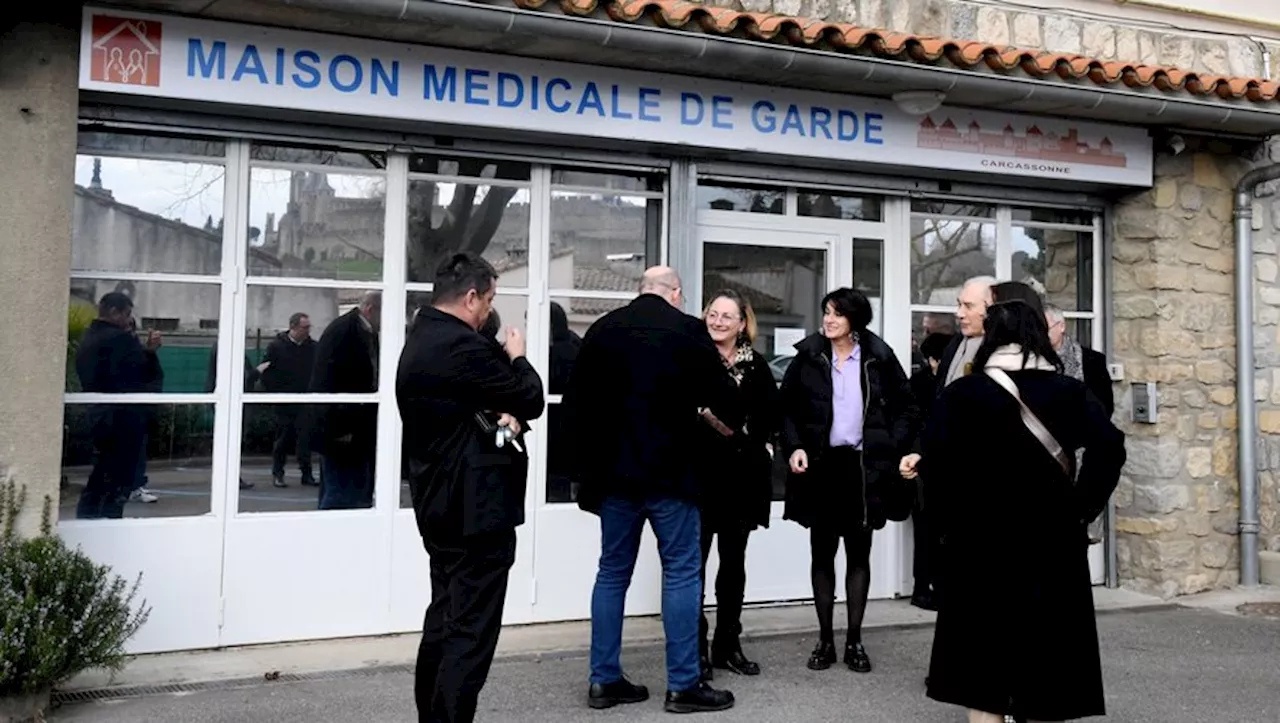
1160 666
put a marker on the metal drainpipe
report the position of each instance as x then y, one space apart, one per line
1245 369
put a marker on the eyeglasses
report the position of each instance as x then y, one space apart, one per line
727 318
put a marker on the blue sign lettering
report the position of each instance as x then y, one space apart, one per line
250 64
561 107
722 112
212 64
591 99
874 127
306 61
820 122
357 71
390 81
437 86
762 117
686 99
505 81
475 85
649 101
847 126
616 106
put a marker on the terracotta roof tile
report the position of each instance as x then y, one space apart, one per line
967 55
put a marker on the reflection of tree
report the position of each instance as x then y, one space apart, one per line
468 223
944 253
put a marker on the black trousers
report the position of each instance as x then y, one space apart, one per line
293 431
460 632
924 558
731 583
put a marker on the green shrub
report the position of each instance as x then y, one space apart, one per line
60 613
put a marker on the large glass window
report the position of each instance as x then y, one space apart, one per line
145 307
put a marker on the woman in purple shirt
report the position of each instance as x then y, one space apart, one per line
848 417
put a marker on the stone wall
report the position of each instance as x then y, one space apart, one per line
1177 505
1002 24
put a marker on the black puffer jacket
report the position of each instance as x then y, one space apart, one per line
889 428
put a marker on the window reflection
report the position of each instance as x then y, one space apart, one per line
297 457
136 460
1057 263
839 205
447 217
924 323
945 253
112 349
601 240
305 223
283 325
735 197
147 216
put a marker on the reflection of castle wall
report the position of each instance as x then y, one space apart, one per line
186 305
582 223
113 235
269 308
321 226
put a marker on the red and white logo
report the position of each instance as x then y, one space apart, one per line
125 51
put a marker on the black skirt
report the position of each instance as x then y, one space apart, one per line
837 494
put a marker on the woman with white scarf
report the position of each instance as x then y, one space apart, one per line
1016 633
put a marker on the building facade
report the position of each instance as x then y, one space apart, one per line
232 165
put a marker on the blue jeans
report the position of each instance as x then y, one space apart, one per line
676 524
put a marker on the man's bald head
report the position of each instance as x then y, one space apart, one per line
662 281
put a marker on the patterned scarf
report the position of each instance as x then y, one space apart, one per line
742 357
1072 358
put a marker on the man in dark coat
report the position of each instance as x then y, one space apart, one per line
924 386
345 434
971 309
286 369
646 378
1080 362
111 360
456 389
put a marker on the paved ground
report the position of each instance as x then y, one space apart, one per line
1161 666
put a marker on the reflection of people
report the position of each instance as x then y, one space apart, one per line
565 345
924 388
287 368
346 434
848 419
468 492
1015 521
739 477
251 377
642 376
111 360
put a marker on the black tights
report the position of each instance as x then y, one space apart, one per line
857 580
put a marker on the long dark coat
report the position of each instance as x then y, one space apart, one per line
632 403
346 363
462 483
738 481
1016 631
889 428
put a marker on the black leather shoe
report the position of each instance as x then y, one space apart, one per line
278 481
706 669
619 692
309 481
699 699
855 656
925 601
823 657
735 661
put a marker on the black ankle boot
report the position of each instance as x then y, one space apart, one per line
700 699
731 657
823 656
706 669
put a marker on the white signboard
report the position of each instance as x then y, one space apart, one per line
785 338
216 62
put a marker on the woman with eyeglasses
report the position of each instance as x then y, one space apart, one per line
737 486
848 417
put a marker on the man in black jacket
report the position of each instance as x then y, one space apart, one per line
644 379
924 387
345 434
286 369
111 360
1080 362
456 391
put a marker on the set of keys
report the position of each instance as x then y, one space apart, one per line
504 435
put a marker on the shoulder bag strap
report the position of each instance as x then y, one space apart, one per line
1034 425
